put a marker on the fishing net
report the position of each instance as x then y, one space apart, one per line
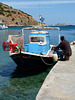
16 39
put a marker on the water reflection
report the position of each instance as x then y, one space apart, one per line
17 83
20 71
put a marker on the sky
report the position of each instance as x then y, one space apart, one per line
54 11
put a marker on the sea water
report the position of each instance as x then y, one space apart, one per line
14 83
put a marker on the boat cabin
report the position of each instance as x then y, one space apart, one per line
39 42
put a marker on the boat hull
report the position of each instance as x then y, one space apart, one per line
30 62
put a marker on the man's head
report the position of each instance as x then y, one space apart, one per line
62 38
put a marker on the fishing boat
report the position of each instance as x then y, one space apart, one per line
36 53
3 26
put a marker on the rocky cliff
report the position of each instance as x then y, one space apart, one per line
14 17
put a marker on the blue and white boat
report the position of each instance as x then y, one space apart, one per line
35 54
3 26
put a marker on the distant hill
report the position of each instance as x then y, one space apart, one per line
14 17
61 24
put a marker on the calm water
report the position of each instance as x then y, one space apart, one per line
14 82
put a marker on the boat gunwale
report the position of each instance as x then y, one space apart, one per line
32 54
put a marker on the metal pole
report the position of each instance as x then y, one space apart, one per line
59 35
23 36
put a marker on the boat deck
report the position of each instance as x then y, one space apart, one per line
60 82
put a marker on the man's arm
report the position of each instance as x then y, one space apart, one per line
57 47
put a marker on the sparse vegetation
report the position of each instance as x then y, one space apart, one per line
9 15
28 17
2 13
14 12
8 11
18 12
0 4
16 23
28 21
21 11
2 20
11 8
21 21
5 7
13 19
1 8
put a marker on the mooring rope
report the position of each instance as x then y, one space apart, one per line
45 62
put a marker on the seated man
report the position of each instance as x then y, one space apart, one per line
63 49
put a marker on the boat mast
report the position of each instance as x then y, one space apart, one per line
58 33
23 36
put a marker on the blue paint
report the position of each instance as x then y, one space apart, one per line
38 47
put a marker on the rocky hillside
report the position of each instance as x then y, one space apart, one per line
61 24
14 17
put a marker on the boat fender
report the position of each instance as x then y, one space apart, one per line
55 56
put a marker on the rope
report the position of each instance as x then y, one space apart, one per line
45 62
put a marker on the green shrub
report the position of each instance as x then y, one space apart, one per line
10 7
18 12
13 19
9 15
2 9
0 4
14 12
5 7
28 17
7 11
2 20
1 12
16 23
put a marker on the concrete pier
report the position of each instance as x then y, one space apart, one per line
60 82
